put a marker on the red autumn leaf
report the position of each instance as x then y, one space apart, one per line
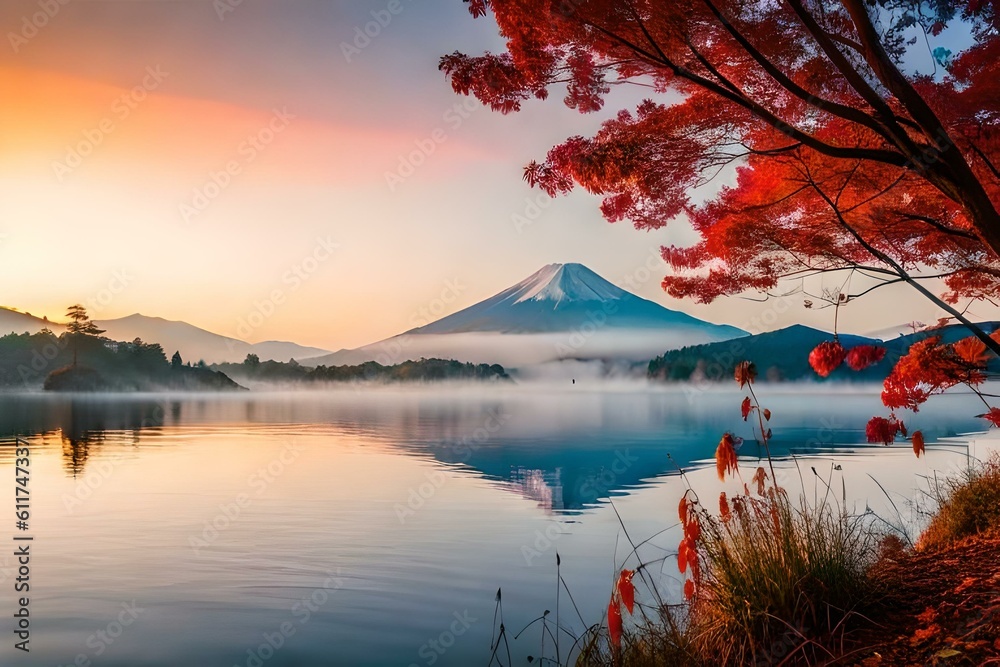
746 373
745 408
626 589
688 589
615 624
682 555
724 511
682 510
993 416
918 443
694 533
972 351
767 414
861 357
725 457
826 357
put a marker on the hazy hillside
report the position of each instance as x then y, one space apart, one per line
784 355
196 344
12 321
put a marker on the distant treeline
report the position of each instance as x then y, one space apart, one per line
427 370
784 355
44 360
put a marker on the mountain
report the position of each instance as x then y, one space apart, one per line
196 344
561 312
12 321
784 355
563 297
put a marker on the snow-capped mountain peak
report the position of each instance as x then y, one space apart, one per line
565 283
562 311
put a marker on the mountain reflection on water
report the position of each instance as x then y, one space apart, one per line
564 449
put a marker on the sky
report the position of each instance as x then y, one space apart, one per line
251 161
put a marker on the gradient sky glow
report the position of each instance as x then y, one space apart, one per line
162 95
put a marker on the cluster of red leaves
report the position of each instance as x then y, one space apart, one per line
726 460
687 552
930 367
861 357
829 355
881 429
826 357
622 595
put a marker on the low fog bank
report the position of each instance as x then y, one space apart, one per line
519 350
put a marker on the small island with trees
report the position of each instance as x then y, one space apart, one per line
83 360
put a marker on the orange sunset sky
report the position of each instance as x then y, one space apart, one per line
206 157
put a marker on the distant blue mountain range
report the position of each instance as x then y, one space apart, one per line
784 354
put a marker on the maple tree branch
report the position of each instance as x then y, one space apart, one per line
897 280
951 174
846 68
732 93
835 108
936 224
908 279
986 160
850 43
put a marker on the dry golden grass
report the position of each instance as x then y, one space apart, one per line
968 505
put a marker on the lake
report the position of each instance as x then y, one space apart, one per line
374 526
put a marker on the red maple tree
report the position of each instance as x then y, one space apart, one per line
844 159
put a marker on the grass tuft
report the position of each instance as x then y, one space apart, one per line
968 505
780 582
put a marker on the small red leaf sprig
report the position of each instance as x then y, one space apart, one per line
623 595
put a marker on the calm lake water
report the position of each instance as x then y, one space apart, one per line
374 527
